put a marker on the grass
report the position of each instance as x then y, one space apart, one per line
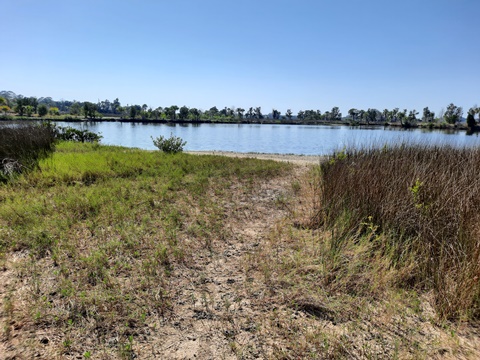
424 204
380 248
103 230
22 146
376 257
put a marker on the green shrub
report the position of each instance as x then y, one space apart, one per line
172 145
71 134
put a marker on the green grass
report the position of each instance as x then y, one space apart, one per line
106 227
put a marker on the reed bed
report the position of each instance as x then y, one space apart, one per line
22 146
425 201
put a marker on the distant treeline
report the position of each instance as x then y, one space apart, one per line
18 105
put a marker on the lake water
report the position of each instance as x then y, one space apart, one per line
267 138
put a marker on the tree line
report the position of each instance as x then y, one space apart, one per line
31 106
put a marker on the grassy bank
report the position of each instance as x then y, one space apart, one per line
108 252
97 234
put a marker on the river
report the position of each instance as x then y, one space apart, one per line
267 138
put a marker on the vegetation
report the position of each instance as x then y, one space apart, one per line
381 246
69 133
29 106
171 145
420 206
22 146
110 244
109 232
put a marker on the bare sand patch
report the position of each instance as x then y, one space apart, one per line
294 159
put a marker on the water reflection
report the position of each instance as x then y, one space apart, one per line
267 138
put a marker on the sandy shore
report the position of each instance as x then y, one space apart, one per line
296 159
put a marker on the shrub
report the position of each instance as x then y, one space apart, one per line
68 133
173 144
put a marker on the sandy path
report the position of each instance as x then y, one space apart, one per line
295 159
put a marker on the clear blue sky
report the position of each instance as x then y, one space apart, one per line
298 54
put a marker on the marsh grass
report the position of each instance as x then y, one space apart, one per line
106 229
22 146
424 204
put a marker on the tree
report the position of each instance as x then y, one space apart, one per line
75 109
402 115
249 114
213 111
371 115
42 110
133 112
89 110
19 109
289 114
276 114
115 105
258 113
353 113
29 110
195 114
411 118
3 101
183 113
385 115
335 114
428 115
171 112
240 112
301 115
471 120
453 114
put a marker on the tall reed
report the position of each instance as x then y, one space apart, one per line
426 200
22 146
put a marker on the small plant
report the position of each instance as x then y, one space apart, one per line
171 145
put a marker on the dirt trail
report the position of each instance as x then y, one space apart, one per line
213 315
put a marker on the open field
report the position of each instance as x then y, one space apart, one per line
108 252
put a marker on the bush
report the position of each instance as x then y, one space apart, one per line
172 145
22 146
71 134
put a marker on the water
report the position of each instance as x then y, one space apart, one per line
267 138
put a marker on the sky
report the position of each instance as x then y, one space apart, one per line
282 54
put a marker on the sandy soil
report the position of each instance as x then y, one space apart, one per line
295 159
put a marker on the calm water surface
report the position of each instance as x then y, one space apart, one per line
266 138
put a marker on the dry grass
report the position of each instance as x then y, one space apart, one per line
22 146
425 203
377 259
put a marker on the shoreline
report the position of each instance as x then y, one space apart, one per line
291 158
